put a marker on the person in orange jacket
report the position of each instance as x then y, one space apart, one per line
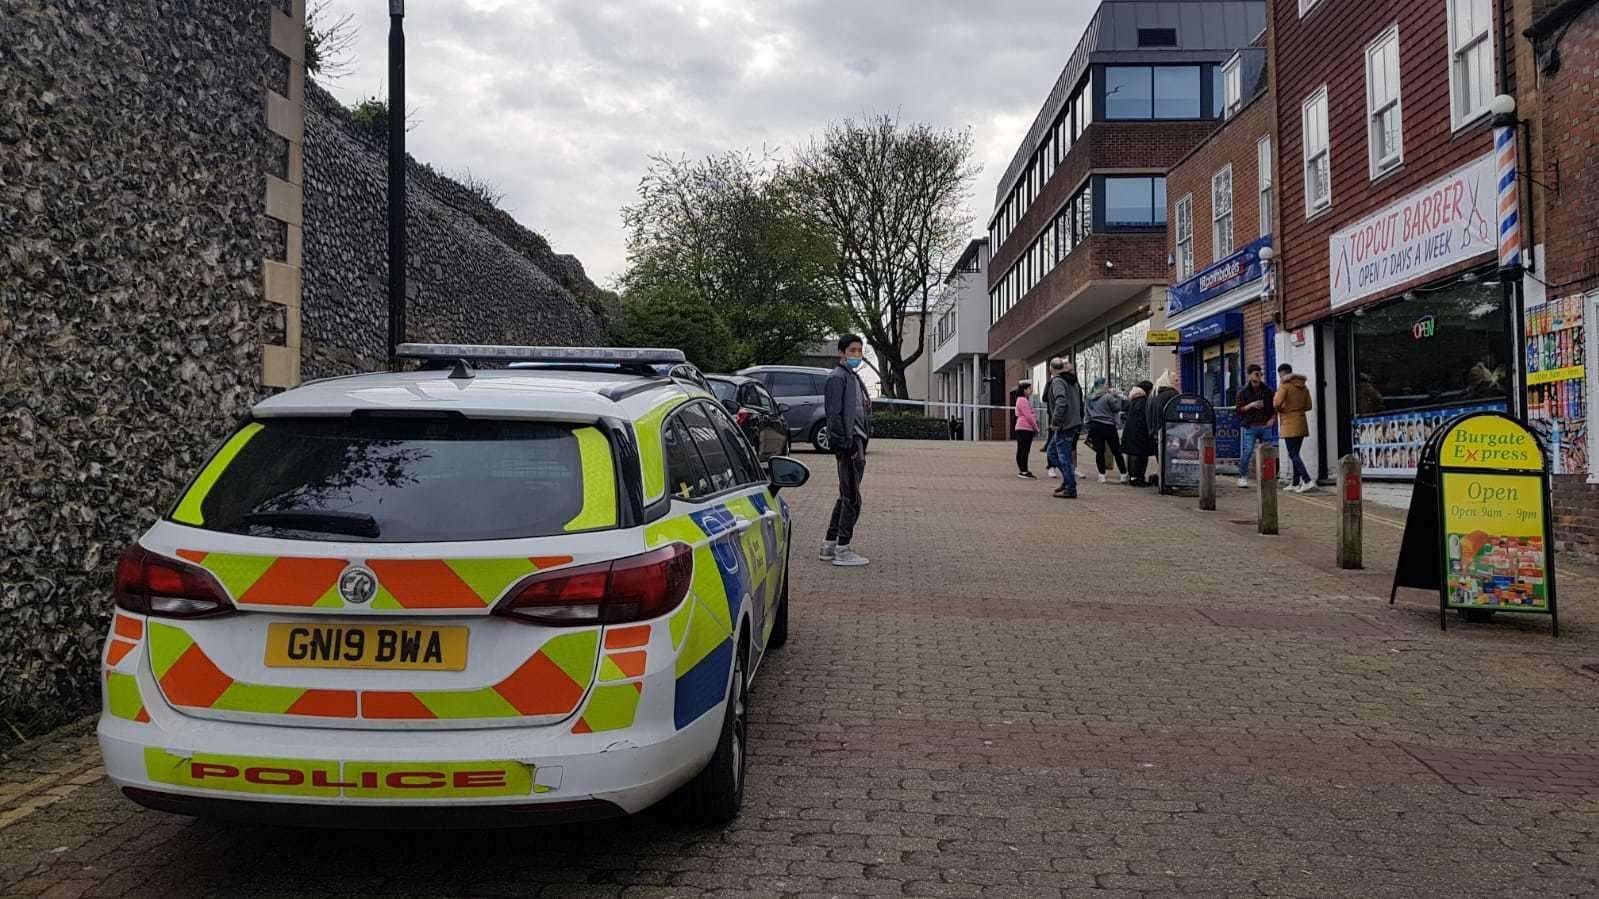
1292 402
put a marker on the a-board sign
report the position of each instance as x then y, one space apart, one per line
1186 418
1163 338
1479 526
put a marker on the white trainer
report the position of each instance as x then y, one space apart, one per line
1243 482
1102 479
1053 473
844 557
828 553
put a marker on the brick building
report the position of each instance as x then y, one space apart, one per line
1387 218
1079 226
1220 209
1557 65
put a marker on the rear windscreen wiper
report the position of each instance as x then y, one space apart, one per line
356 524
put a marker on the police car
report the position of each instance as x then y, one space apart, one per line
485 595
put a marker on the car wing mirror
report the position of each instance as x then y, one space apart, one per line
784 472
731 406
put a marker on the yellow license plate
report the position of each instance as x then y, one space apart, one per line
399 647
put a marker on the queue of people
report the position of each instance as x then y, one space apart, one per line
1123 430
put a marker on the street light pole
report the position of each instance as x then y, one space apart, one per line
396 179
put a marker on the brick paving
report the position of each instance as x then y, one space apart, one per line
1021 696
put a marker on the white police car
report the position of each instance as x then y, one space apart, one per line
484 595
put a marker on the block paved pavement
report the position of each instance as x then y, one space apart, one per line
1021 696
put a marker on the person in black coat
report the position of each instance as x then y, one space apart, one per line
1136 440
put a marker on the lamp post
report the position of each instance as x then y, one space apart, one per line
396 179
1506 129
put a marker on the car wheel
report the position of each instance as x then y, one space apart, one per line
715 795
819 438
780 626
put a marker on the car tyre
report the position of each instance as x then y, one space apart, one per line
819 438
716 794
780 625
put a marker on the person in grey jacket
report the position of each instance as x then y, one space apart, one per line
849 427
1105 403
1065 400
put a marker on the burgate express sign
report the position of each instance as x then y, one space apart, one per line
1444 223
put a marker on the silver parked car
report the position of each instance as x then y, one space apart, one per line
801 390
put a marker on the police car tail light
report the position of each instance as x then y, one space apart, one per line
637 588
156 585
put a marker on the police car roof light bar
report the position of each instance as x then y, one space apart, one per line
569 355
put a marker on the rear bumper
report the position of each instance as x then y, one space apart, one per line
363 778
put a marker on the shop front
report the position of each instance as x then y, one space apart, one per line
1209 312
1415 361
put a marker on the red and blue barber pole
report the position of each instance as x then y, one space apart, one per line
1509 198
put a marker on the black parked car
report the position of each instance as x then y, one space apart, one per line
759 416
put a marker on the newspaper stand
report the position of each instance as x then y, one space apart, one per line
1186 418
1479 529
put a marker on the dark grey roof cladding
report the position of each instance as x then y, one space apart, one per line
1207 31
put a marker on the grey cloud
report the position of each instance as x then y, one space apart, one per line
561 102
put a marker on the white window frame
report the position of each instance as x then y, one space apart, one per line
1264 182
1305 6
1458 117
1232 80
1383 165
1185 244
1217 216
1313 206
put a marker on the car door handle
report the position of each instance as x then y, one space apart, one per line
740 525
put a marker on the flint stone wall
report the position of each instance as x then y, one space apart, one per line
133 153
474 275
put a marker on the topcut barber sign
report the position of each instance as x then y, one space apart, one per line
1445 223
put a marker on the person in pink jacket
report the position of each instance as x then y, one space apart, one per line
1026 429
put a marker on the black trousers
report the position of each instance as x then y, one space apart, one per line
1024 445
847 511
1101 435
1137 468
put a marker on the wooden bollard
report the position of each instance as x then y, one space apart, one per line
1350 545
1207 472
1266 478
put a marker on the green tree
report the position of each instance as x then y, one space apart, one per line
888 200
726 229
667 314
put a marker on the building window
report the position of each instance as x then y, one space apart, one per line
1160 92
1221 214
1135 202
1129 352
1263 167
1082 112
1232 86
1157 37
1383 129
1185 238
1084 225
1464 361
1471 67
1306 6
1318 155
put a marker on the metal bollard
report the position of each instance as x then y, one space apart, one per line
1351 508
1266 477
1207 472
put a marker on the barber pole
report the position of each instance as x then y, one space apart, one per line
1509 198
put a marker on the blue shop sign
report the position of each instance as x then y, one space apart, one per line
1207 329
1225 276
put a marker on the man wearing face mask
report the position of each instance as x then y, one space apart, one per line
849 427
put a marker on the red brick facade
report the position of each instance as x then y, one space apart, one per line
1234 142
1327 47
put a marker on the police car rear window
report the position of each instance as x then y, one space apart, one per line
396 479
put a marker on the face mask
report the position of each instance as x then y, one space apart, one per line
854 363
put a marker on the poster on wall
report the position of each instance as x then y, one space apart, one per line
1389 445
1557 402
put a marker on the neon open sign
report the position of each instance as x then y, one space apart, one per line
1425 327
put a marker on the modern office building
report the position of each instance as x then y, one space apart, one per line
1078 233
962 379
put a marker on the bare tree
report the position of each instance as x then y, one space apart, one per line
891 200
328 42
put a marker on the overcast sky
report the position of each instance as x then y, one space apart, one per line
560 103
